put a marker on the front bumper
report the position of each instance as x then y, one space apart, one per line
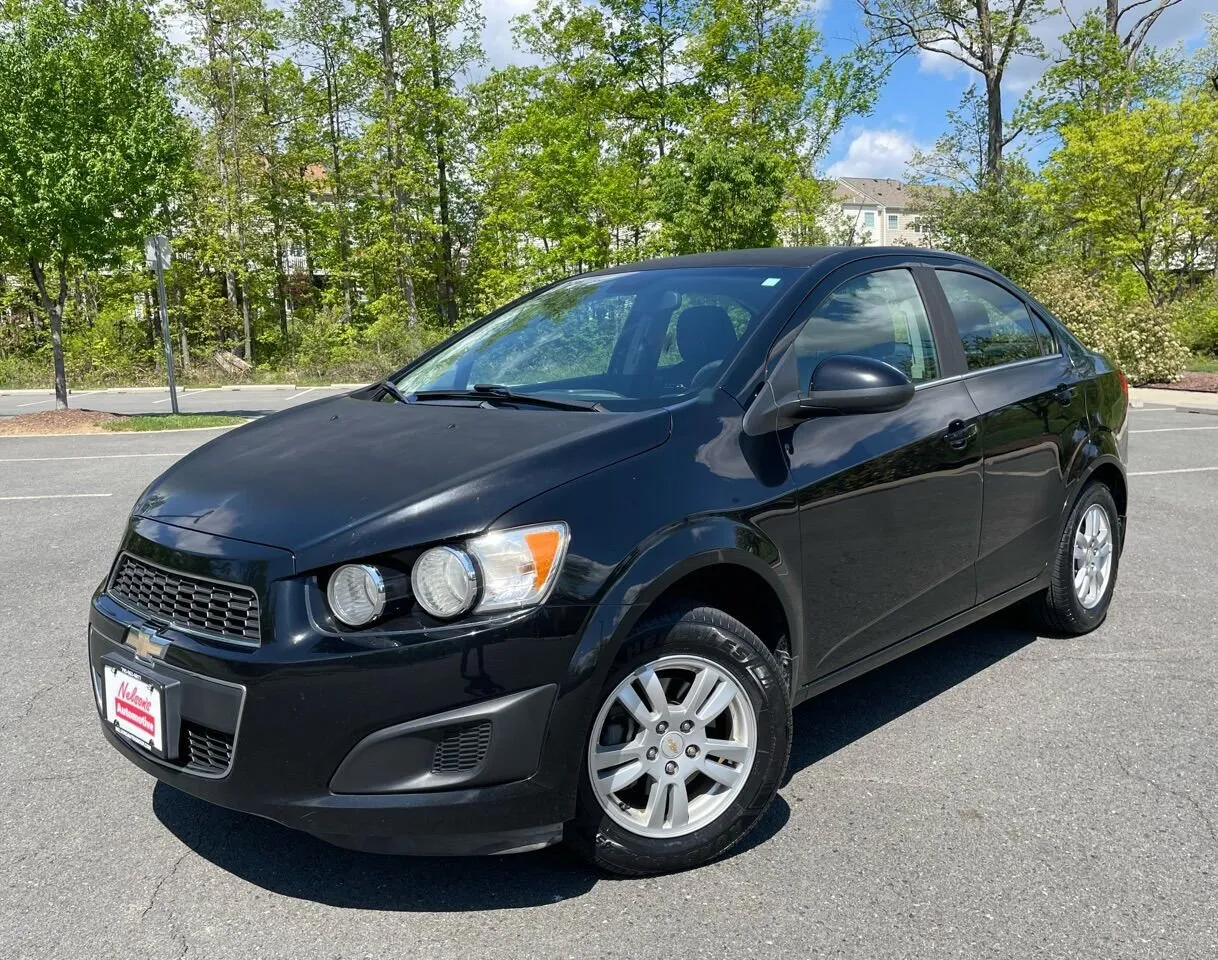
434 744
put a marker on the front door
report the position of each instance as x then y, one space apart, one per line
889 503
1032 420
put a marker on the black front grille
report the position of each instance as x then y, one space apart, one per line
219 609
463 749
205 750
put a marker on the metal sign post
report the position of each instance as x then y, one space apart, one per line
157 253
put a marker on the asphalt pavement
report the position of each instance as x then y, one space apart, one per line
995 794
249 400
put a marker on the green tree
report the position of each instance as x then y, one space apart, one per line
982 35
763 105
565 150
1138 189
994 219
89 143
1096 74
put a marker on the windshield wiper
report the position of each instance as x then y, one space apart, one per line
391 388
493 391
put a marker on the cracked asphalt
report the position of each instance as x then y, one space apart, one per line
996 794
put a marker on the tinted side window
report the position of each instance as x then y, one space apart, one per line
876 315
994 324
1048 343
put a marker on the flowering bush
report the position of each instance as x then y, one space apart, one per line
1197 321
1141 339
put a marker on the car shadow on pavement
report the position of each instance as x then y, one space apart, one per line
836 719
294 864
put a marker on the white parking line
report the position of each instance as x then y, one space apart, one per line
1157 473
1171 429
184 392
60 496
51 399
293 399
99 456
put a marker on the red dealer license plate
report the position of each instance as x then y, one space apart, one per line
135 708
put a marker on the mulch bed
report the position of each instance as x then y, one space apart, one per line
55 421
1191 380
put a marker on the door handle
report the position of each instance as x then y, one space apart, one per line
959 434
1064 394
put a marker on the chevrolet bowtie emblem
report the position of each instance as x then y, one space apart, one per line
146 645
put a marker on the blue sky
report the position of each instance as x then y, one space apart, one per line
910 111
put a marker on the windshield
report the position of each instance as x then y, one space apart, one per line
626 341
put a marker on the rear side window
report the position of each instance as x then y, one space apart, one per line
1048 343
994 324
877 315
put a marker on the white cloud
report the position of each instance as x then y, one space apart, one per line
875 153
940 64
1182 24
497 35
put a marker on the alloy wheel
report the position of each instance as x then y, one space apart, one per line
672 746
1092 556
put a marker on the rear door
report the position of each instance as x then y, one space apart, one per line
1033 419
889 503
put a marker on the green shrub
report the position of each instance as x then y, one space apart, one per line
1196 321
1139 338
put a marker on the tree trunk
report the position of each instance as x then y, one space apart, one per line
993 142
276 205
992 71
335 129
184 348
240 202
54 311
397 200
281 282
446 288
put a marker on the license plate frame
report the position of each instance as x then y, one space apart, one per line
142 706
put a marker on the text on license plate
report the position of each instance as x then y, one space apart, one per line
134 708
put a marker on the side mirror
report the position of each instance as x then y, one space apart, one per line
851 384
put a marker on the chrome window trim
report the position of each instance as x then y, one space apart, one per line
180 627
984 370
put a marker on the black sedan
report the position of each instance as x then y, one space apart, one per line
565 575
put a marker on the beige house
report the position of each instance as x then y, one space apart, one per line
877 213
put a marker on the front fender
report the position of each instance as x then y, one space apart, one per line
662 561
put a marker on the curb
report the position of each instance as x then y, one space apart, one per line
1142 397
25 392
119 433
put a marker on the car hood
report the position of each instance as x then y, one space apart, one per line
342 478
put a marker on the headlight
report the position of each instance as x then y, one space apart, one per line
356 593
519 567
444 581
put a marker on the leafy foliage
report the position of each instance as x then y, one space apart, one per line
1139 188
90 146
1137 337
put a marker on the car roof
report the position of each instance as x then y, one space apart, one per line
805 257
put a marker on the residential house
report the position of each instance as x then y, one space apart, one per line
877 213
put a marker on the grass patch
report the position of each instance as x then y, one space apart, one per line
1203 365
172 421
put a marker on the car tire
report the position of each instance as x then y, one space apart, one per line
1064 607
681 648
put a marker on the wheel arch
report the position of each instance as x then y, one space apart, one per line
723 563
